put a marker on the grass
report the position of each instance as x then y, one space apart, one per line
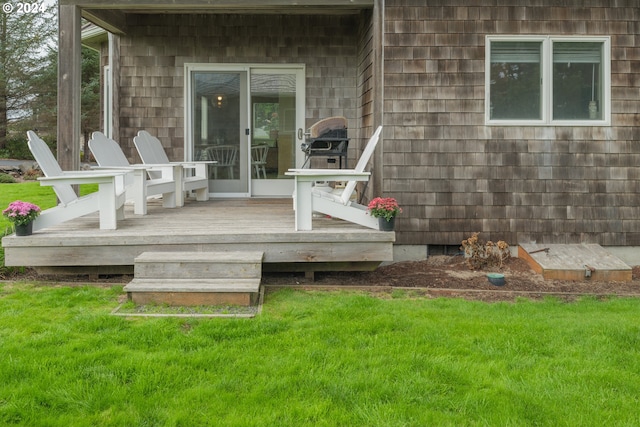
130 308
318 359
32 192
314 359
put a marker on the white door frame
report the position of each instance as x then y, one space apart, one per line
256 187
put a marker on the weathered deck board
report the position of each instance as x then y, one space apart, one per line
574 262
217 225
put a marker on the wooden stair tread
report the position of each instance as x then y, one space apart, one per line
197 257
196 278
193 285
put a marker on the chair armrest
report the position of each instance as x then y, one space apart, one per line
82 177
118 168
328 175
196 162
168 170
198 167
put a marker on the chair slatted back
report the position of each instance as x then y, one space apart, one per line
106 151
50 167
361 165
151 151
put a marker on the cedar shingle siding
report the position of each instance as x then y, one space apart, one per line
454 176
156 48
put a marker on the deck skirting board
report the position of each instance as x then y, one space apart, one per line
103 255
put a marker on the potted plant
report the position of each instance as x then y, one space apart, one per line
385 209
22 214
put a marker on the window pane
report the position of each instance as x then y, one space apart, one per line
515 80
577 81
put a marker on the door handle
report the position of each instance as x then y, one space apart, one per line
301 133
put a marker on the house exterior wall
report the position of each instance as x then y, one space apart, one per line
453 175
156 47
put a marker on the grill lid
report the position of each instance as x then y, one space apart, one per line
330 124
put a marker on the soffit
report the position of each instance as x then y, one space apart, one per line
111 15
224 6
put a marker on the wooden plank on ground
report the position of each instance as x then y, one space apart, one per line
574 262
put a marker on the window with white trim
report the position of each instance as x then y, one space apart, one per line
547 80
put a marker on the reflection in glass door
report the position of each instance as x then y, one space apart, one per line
249 119
218 123
275 146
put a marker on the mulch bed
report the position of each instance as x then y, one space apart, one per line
437 276
450 276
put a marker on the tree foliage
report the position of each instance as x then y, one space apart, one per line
26 36
90 91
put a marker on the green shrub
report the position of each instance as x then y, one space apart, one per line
17 147
6 179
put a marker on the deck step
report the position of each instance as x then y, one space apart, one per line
575 262
198 265
193 285
196 278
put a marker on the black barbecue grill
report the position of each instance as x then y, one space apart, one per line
327 138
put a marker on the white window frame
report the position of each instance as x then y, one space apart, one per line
546 70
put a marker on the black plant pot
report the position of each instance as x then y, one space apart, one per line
24 229
385 225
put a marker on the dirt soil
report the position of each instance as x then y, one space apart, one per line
437 276
450 276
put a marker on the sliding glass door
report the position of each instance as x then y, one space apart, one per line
218 118
249 119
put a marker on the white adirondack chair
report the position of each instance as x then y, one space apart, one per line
109 200
195 177
109 155
309 199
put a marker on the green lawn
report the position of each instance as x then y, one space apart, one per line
28 192
31 192
318 359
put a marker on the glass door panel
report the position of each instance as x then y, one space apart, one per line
219 120
277 110
249 119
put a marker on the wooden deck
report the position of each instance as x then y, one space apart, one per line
267 225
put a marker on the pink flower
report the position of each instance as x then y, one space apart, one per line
384 207
21 212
